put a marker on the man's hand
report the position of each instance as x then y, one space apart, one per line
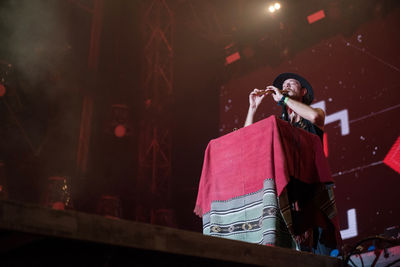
314 115
255 98
275 92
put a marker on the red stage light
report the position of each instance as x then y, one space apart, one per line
326 144
316 16
232 58
120 131
58 193
2 90
392 159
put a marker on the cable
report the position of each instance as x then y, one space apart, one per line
361 259
377 255
354 249
352 262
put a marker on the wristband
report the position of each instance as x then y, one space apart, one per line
282 101
286 100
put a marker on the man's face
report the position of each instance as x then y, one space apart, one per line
294 89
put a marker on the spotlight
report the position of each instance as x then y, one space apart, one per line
271 9
274 7
120 131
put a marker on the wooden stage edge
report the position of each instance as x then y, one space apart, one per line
22 218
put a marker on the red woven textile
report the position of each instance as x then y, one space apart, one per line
237 164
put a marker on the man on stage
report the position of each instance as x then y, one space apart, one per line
294 94
312 232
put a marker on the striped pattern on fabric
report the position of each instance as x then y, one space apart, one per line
254 218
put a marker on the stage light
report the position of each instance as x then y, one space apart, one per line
2 90
274 7
316 16
232 53
271 9
58 193
120 131
118 123
326 150
232 58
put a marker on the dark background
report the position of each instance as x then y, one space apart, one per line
350 57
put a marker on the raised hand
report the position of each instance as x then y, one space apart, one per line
276 93
256 97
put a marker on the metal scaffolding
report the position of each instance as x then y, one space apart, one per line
87 107
155 142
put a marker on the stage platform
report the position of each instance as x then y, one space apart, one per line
37 236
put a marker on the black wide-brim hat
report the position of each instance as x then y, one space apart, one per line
307 98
